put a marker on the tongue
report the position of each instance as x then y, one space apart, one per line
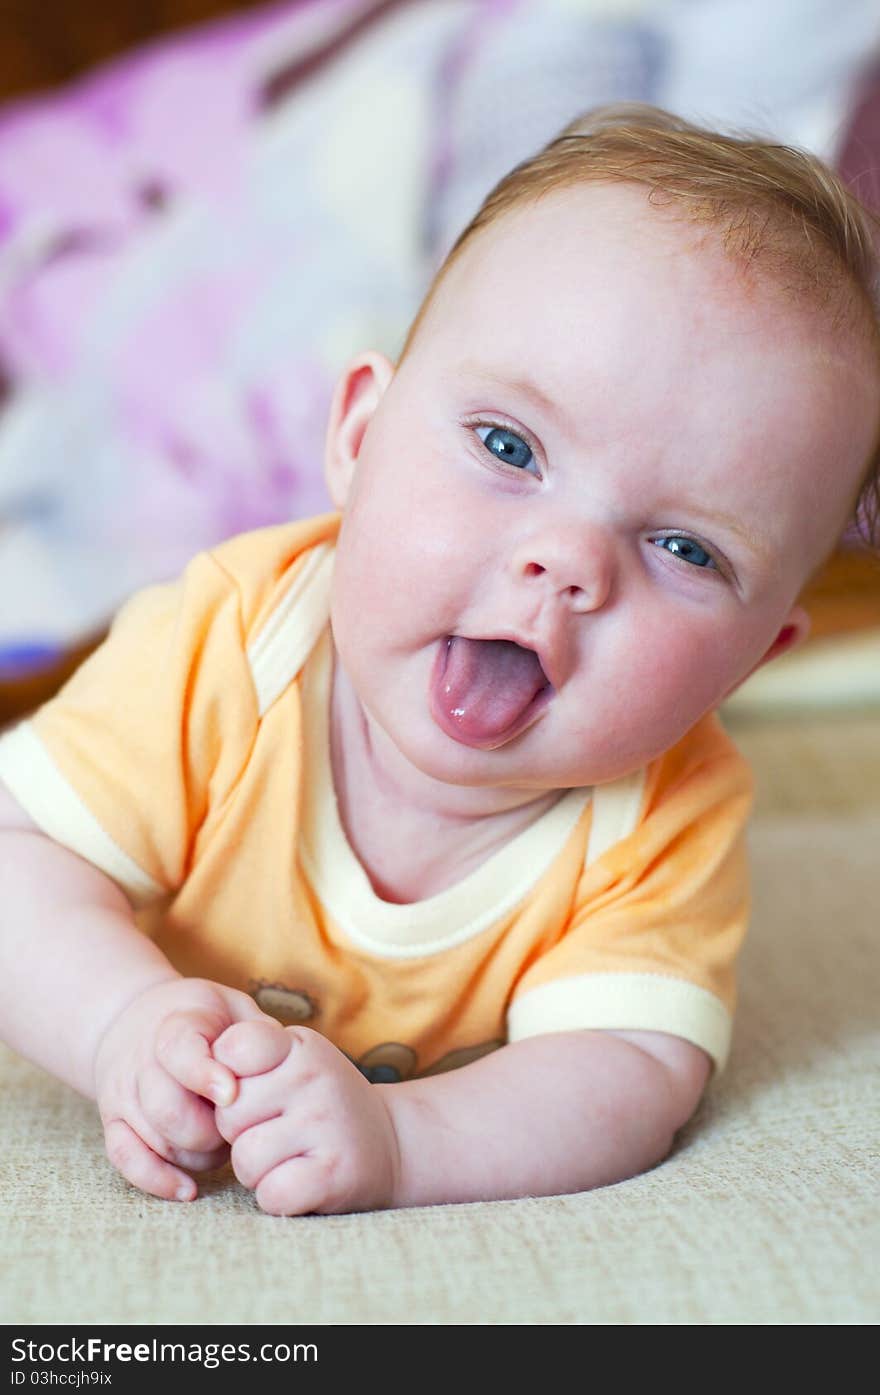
486 686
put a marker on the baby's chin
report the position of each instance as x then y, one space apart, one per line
515 765
532 761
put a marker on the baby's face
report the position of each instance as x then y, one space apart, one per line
606 448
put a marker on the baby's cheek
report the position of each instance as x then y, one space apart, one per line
680 672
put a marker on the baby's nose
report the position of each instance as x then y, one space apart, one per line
574 565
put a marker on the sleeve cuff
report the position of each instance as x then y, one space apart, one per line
625 1002
42 791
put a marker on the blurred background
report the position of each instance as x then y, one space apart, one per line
206 207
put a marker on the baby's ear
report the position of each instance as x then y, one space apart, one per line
358 393
791 634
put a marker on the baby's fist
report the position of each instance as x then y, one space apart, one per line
308 1132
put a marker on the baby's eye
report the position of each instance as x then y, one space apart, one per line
506 445
687 550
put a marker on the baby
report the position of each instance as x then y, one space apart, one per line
401 848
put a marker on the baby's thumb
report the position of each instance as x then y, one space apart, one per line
251 1048
183 1048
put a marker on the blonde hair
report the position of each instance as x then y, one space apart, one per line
778 211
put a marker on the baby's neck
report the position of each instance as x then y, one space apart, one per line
413 835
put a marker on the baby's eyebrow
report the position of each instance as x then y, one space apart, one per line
524 386
760 546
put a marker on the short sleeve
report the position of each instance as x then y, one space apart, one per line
150 734
658 920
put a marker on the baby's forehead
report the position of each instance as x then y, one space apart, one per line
557 252
747 249
591 216
556 275
549 262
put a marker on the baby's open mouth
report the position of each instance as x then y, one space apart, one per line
484 692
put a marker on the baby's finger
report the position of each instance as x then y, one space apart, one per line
183 1047
252 1048
179 1121
142 1167
297 1187
201 1162
259 1149
261 1098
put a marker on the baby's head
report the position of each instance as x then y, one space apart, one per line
634 414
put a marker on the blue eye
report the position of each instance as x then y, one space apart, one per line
687 550
507 446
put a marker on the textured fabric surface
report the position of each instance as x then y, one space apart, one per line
765 1213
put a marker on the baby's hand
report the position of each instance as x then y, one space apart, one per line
308 1132
154 1076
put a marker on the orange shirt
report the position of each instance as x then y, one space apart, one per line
189 760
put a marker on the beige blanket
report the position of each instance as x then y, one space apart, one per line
767 1212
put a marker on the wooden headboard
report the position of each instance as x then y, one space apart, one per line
45 43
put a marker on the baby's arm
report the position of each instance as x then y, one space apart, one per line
558 1113
90 999
547 1115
